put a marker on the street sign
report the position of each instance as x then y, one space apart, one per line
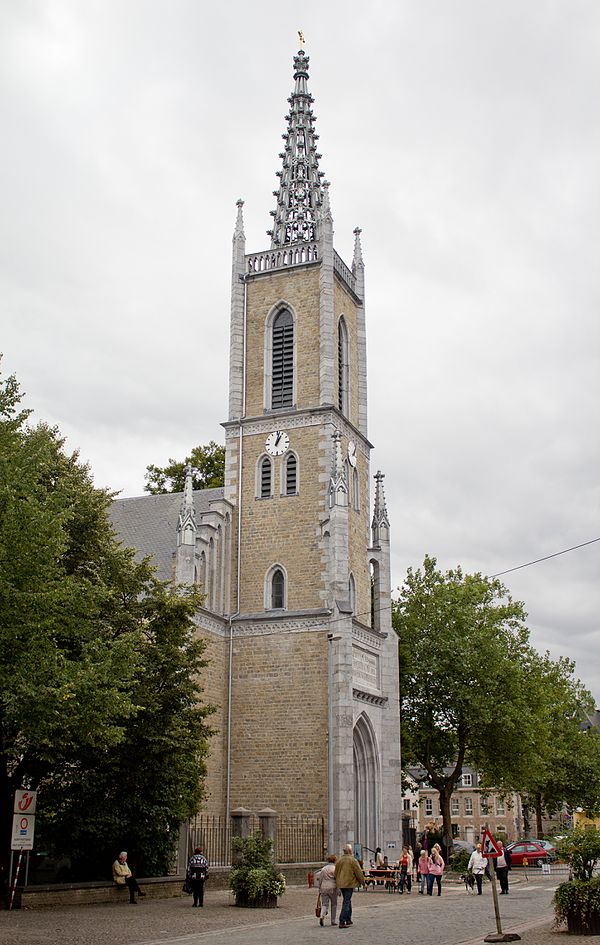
489 847
22 832
25 802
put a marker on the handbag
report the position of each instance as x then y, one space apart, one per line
187 886
318 907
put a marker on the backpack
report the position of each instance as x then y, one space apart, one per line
199 870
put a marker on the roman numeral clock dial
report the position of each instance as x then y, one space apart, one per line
277 443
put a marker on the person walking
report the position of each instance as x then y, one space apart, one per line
423 871
328 890
348 875
197 872
502 865
477 866
124 878
406 868
436 868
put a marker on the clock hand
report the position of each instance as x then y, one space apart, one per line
277 439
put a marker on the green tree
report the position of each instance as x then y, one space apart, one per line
80 627
208 463
135 795
467 690
67 607
569 769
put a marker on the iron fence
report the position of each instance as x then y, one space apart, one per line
299 839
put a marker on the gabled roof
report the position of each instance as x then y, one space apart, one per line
148 523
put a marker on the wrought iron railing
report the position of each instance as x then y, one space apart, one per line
299 839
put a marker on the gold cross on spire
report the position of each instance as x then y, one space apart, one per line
301 38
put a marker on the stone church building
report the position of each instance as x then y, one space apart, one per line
293 553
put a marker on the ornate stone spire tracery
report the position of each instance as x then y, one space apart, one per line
338 484
357 260
186 523
380 516
300 194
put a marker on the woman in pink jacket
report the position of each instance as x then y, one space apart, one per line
436 868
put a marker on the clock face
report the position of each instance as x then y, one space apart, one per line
352 453
277 443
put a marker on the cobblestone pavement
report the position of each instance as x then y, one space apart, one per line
455 918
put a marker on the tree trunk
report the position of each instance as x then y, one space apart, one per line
526 822
539 810
445 795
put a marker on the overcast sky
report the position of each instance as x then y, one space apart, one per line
463 137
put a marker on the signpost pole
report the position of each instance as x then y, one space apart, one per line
495 897
491 851
14 885
22 833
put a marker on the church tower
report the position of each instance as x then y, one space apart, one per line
312 665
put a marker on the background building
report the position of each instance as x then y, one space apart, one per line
471 808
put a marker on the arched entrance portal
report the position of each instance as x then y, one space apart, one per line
367 787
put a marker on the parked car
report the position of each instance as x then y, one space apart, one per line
531 850
548 847
463 845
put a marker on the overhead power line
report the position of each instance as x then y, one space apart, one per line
518 567
545 558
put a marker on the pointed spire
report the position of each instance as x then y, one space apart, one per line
326 216
238 233
186 523
338 485
380 516
300 193
357 261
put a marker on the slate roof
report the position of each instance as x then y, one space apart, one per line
148 523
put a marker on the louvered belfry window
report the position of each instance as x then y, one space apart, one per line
265 478
282 391
291 475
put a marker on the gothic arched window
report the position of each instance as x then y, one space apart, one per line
343 366
282 360
375 595
356 489
277 590
290 475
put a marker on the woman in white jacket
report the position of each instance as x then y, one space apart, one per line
477 865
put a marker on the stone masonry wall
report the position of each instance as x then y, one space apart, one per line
214 682
279 756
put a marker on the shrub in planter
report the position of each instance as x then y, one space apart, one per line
255 880
577 902
459 862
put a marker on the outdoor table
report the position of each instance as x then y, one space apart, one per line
388 878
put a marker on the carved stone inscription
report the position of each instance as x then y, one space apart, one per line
365 669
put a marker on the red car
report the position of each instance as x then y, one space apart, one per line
529 850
